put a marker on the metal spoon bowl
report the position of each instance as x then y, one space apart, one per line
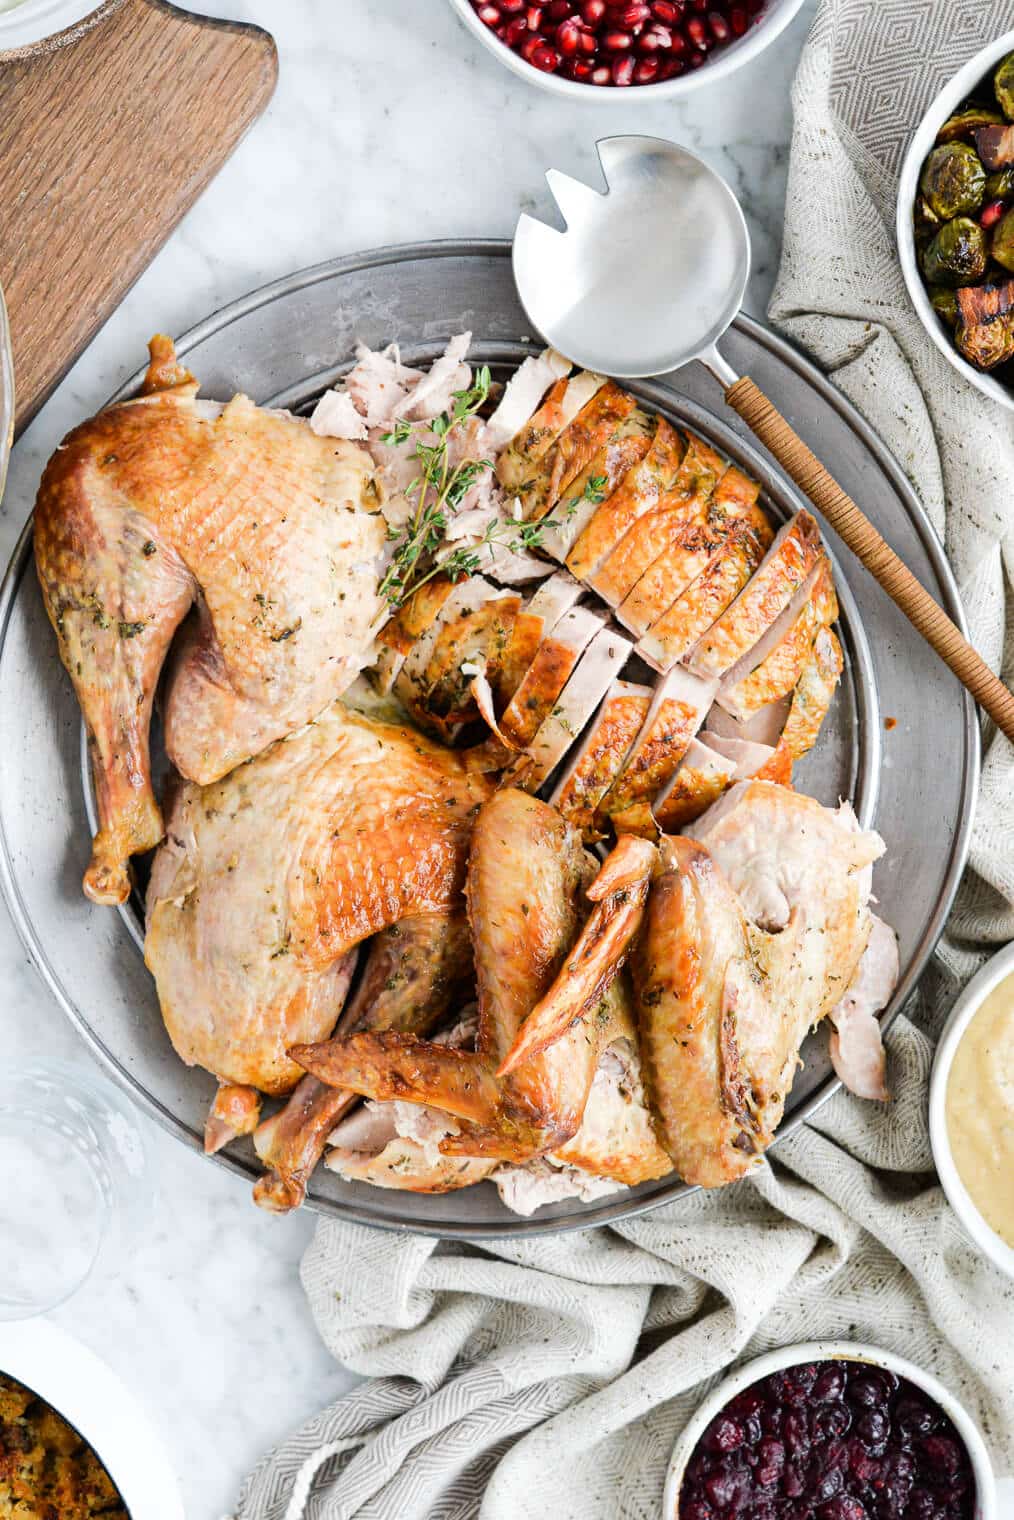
647 277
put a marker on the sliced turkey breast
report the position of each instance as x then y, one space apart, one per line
772 668
555 597
763 727
748 757
466 596
521 398
813 695
682 509
625 448
598 667
601 755
677 712
544 483
690 617
546 677
466 645
566 399
701 779
641 490
786 565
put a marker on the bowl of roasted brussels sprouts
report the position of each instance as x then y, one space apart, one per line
956 221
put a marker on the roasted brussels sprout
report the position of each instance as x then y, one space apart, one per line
926 222
953 180
968 120
1003 83
985 333
957 255
945 304
1000 186
1002 246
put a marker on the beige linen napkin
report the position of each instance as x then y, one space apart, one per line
552 1377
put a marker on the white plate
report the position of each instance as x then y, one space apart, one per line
961 86
971 1000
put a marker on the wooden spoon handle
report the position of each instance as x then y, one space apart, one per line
867 545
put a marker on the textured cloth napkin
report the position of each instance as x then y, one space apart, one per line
552 1377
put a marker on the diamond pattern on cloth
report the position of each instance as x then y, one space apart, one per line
552 1376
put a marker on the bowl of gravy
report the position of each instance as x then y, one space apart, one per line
972 1109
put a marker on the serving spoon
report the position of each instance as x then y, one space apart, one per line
647 277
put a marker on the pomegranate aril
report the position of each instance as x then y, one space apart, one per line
533 15
593 11
656 39
528 46
678 46
634 13
666 12
719 26
623 70
699 5
697 34
568 37
577 68
489 15
514 31
670 67
617 42
738 20
512 7
588 42
557 11
991 214
647 71
546 58
602 75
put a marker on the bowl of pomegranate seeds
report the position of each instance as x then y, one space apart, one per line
828 1431
587 48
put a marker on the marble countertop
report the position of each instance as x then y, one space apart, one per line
389 125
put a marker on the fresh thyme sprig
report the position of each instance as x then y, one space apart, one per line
438 491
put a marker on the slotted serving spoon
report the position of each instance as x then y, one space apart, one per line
646 278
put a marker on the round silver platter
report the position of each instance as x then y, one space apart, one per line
901 740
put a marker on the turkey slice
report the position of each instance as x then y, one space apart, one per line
603 752
690 617
677 711
466 596
624 450
641 490
522 395
546 677
772 668
680 510
701 779
785 567
565 401
600 664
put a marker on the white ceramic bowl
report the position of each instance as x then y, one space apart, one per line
772 23
91 1398
824 1351
961 86
964 1011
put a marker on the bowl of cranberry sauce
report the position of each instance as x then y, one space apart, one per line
598 49
820 1432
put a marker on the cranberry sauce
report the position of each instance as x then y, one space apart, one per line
829 1441
617 42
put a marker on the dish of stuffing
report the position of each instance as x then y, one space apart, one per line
74 1443
46 1469
486 757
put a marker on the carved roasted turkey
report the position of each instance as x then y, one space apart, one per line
164 503
269 878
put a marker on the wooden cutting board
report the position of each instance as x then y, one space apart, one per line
108 135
